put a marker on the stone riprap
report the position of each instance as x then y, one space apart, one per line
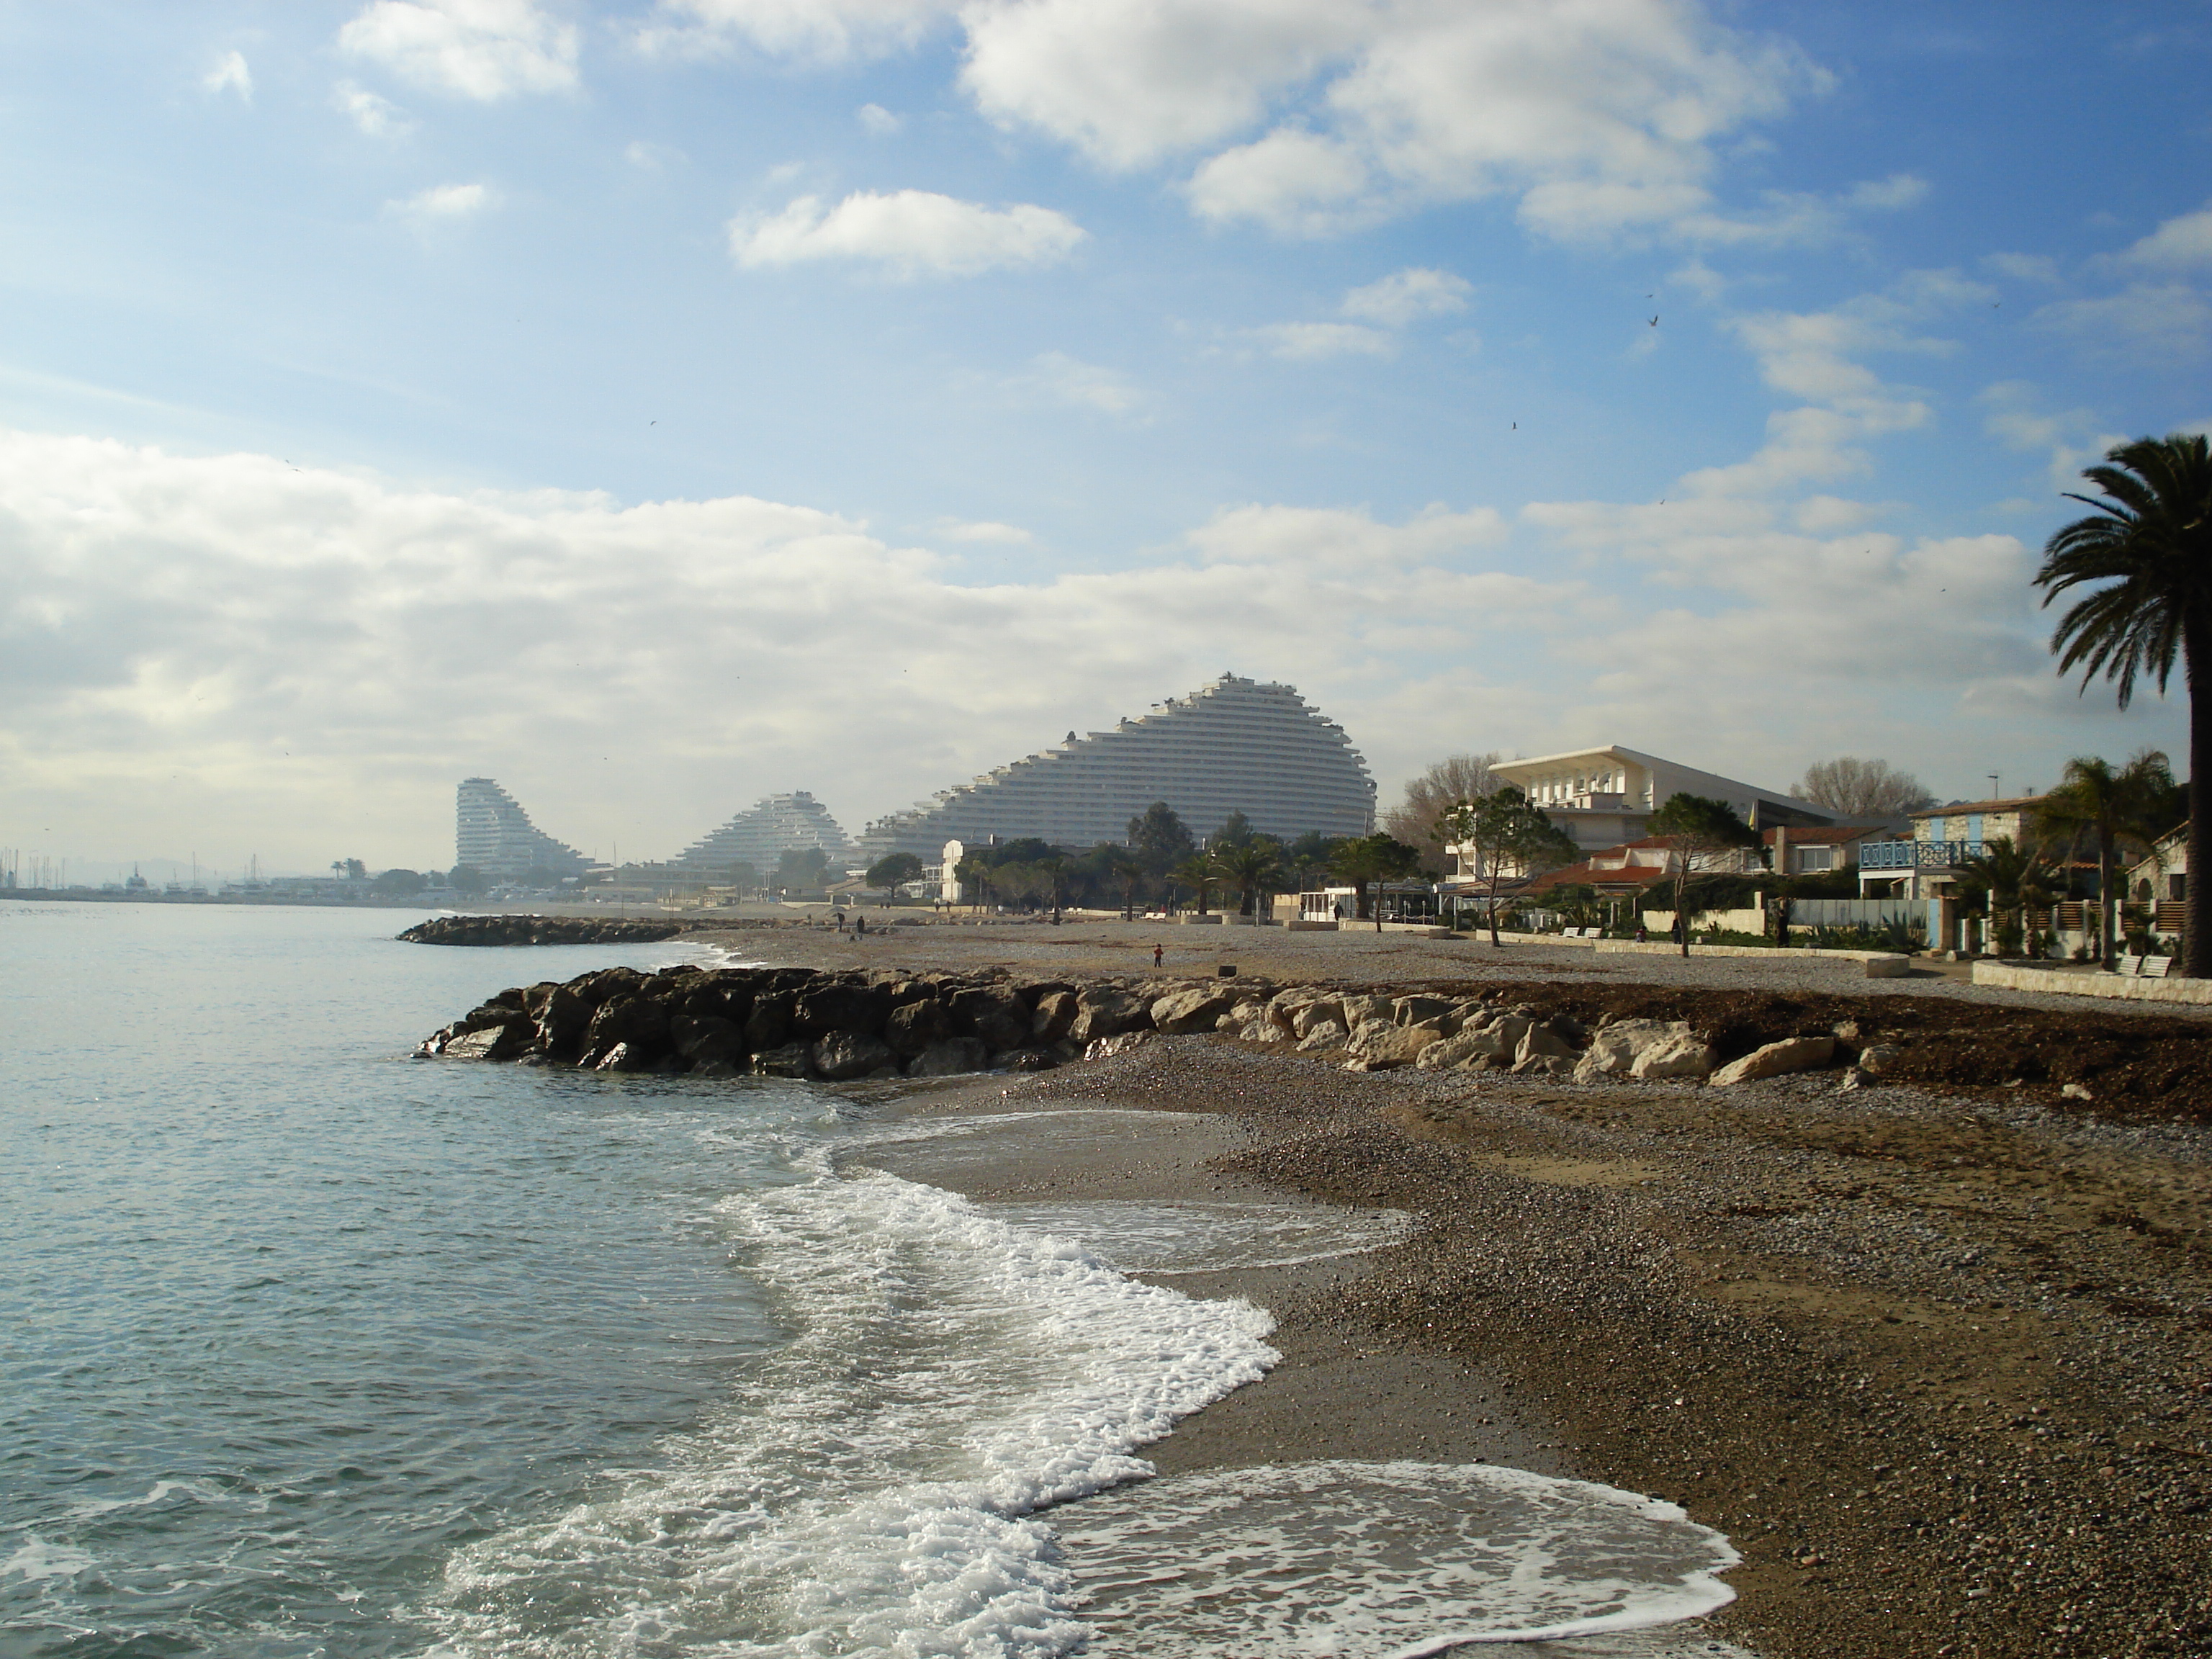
545 930
840 1026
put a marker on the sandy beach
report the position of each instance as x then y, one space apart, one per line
1938 1363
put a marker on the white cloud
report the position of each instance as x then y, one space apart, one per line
481 49
910 233
442 202
230 74
986 529
378 117
1061 379
2153 323
2070 438
1899 190
878 121
820 31
1406 296
2180 244
201 649
2024 267
1305 342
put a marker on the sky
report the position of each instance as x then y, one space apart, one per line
659 404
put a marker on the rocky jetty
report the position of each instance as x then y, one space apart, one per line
839 1026
544 930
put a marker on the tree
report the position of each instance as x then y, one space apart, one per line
894 871
1201 871
350 869
799 868
1435 793
1236 830
1703 835
2146 553
1367 859
1158 836
1862 789
1309 854
977 877
2004 872
467 880
1128 872
399 882
2094 803
1253 869
1507 838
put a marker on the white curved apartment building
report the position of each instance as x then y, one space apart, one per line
1236 745
492 834
764 832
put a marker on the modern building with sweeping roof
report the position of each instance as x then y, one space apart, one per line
1236 745
762 834
494 835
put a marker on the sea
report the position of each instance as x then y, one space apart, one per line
309 1348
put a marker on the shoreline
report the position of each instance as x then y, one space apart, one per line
1936 1364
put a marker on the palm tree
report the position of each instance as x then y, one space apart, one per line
1201 871
2098 805
1130 873
2148 547
2006 871
1377 858
1253 869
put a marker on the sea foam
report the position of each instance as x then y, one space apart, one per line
869 1489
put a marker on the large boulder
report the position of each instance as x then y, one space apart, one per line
1104 1011
950 1057
563 1018
913 1026
710 1036
632 1022
1447 1053
1359 1010
843 1055
1542 1042
1879 1059
994 1014
1614 1049
841 1006
1420 1010
1378 1048
791 1059
489 1042
1799 1054
1325 1035
1181 1012
1682 1054
1055 1013
769 1026
1322 1011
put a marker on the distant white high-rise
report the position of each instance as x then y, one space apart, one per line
1234 746
764 832
494 836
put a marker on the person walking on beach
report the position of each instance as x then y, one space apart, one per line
1156 956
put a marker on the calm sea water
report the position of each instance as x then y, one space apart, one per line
309 1349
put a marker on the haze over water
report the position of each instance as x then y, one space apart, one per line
313 1350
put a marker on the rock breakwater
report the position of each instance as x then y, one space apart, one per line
841 1025
544 930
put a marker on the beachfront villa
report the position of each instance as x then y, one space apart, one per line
1236 745
1605 797
762 834
494 835
1942 839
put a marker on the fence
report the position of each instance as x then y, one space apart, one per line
1855 913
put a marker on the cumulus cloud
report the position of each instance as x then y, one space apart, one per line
444 203
821 31
1406 296
2183 243
985 530
908 233
199 648
1305 342
1055 377
481 49
230 74
2152 323
377 117
878 121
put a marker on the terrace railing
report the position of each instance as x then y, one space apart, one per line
1917 854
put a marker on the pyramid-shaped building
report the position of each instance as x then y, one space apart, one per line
494 836
1236 745
763 833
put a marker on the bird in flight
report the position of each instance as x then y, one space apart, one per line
1655 322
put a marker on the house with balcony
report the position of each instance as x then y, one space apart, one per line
1926 865
1820 850
1604 798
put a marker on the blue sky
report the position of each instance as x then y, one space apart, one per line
655 405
